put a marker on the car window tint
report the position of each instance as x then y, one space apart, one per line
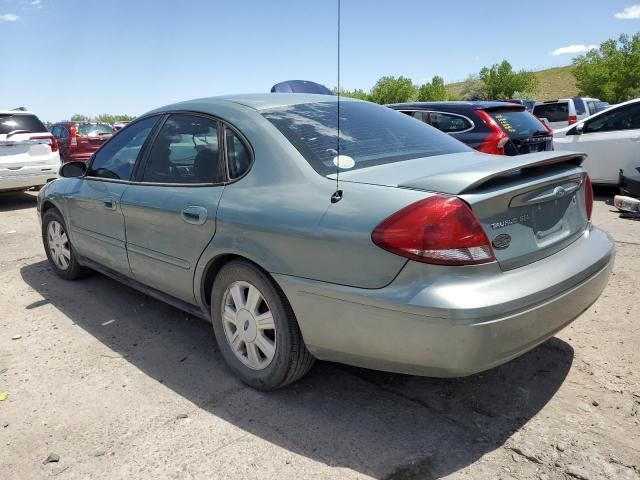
185 151
238 156
448 123
579 104
593 107
118 156
11 122
553 112
93 129
625 118
369 135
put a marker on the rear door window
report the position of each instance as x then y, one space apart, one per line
449 123
553 112
518 123
625 118
579 105
12 122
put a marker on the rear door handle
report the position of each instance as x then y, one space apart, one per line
109 203
194 215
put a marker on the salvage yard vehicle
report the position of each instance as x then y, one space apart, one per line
79 140
499 128
29 155
566 111
611 140
428 258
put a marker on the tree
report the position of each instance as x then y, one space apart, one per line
78 117
501 81
357 93
393 90
433 91
473 89
612 71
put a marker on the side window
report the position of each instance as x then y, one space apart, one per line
579 104
185 151
64 133
238 156
118 156
626 118
593 107
449 123
55 131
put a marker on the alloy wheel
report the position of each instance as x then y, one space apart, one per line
58 245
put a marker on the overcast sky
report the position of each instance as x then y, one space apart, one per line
60 57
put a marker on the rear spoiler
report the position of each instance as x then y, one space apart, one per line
469 178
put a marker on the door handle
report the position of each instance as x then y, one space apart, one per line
194 215
109 203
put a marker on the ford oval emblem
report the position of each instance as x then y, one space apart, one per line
559 192
502 241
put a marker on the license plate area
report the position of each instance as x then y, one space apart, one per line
552 220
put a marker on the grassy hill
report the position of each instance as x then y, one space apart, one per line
552 83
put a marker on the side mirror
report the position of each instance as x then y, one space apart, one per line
73 170
579 129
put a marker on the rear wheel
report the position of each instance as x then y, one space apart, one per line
58 248
256 329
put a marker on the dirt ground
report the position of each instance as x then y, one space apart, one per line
114 384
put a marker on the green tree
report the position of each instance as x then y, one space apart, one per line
393 90
357 93
612 71
473 89
78 117
433 91
501 81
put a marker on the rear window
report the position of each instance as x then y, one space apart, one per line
93 130
369 135
10 122
518 123
554 112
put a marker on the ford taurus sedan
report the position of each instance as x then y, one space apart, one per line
424 256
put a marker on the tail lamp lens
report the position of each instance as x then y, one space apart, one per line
588 196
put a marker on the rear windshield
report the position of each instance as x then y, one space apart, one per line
518 123
369 135
554 112
10 122
92 130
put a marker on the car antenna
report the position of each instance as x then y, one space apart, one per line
337 196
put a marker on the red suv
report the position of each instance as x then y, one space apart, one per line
79 140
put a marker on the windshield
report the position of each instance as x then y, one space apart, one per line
10 122
369 135
92 130
518 123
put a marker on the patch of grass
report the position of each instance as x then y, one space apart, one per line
552 83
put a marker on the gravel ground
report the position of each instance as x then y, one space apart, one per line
104 382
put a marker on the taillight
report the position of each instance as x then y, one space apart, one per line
497 139
588 196
439 229
73 136
572 119
48 139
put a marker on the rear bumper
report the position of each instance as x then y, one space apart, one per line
27 177
446 322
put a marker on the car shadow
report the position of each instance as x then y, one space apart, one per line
384 425
10 201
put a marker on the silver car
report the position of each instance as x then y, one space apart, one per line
423 257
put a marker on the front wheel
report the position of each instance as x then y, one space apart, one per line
58 248
256 329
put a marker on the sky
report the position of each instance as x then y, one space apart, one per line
128 56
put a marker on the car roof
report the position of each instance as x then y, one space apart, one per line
16 112
473 104
255 101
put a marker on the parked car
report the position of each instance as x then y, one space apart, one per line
118 125
430 259
610 138
566 111
300 86
528 104
500 128
79 140
29 155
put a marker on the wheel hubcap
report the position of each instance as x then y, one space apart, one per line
58 245
248 325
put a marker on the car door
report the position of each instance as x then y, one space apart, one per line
170 210
612 142
94 209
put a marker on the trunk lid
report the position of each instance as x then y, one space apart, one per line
530 206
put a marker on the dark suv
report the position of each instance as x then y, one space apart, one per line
499 128
79 140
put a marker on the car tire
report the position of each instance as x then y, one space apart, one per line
58 247
237 318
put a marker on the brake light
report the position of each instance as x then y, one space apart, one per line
73 136
495 142
588 196
48 139
572 119
440 229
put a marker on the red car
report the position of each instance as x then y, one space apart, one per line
79 140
